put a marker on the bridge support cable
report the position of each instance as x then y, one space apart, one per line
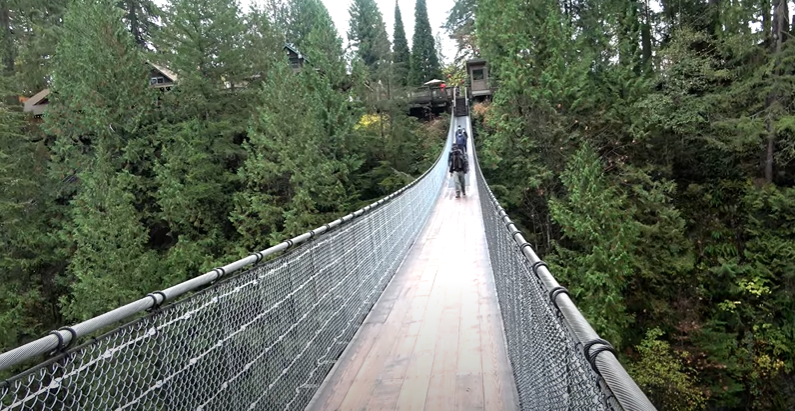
559 361
250 335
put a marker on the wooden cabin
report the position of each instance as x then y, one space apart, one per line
37 103
161 77
479 84
297 59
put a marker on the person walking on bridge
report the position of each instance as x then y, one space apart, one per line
461 138
458 166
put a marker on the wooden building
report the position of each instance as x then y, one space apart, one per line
479 84
159 77
37 103
297 60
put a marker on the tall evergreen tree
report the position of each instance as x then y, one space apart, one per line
204 43
96 120
401 55
300 159
7 43
301 17
301 148
28 276
37 31
461 26
206 114
424 58
367 34
141 18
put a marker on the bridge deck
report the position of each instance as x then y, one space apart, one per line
434 340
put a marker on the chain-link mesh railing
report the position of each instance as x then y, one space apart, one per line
558 361
261 340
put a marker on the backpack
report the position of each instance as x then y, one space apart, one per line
457 160
461 139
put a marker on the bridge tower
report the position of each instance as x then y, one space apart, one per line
480 86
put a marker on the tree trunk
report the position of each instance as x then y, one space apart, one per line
780 24
7 48
766 18
135 25
6 45
645 35
714 12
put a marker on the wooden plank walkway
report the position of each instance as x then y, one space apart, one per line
434 340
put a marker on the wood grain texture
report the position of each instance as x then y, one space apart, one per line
434 340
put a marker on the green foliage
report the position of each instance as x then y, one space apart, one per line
140 17
124 189
111 265
96 119
598 261
401 55
661 373
461 26
368 36
300 159
37 31
672 220
424 57
26 218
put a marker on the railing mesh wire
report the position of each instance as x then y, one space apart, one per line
549 366
262 340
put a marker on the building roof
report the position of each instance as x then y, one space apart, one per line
476 61
294 50
166 72
32 104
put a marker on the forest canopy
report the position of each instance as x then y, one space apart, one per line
646 150
182 135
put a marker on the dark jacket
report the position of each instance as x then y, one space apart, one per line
461 139
457 161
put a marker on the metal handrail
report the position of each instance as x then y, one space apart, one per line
600 353
65 336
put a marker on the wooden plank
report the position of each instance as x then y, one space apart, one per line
469 392
441 392
370 345
383 394
415 386
434 340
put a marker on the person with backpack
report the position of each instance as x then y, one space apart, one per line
461 138
458 166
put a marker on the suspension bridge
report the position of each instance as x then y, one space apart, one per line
418 301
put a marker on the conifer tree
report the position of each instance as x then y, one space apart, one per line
111 265
206 114
204 43
37 31
28 290
301 17
301 151
368 36
424 58
140 16
401 55
461 26
97 120
297 172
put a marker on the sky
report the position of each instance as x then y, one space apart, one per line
437 14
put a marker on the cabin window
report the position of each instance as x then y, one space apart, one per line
477 74
157 80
